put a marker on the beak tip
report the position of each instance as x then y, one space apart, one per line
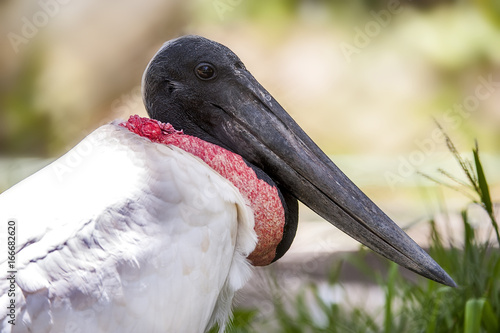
438 274
448 281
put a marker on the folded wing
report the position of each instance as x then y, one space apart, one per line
125 235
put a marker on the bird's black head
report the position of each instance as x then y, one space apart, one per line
189 83
202 87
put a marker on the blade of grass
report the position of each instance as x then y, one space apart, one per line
389 297
490 321
432 324
473 314
461 183
489 318
450 186
484 191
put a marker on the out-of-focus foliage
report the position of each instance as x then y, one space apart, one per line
24 128
490 9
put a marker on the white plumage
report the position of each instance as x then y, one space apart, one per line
125 235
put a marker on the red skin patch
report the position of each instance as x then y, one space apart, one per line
261 197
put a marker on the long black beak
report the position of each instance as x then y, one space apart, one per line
259 129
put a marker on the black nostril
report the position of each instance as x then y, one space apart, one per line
170 86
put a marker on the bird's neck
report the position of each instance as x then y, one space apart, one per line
262 197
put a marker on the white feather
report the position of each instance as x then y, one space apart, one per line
125 235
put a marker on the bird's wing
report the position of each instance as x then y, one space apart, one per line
123 235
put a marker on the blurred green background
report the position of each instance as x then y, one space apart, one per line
366 79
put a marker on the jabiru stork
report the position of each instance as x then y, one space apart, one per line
142 227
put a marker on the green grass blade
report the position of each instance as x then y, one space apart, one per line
473 315
483 185
390 295
490 320
484 191
469 235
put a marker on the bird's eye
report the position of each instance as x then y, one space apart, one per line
205 71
